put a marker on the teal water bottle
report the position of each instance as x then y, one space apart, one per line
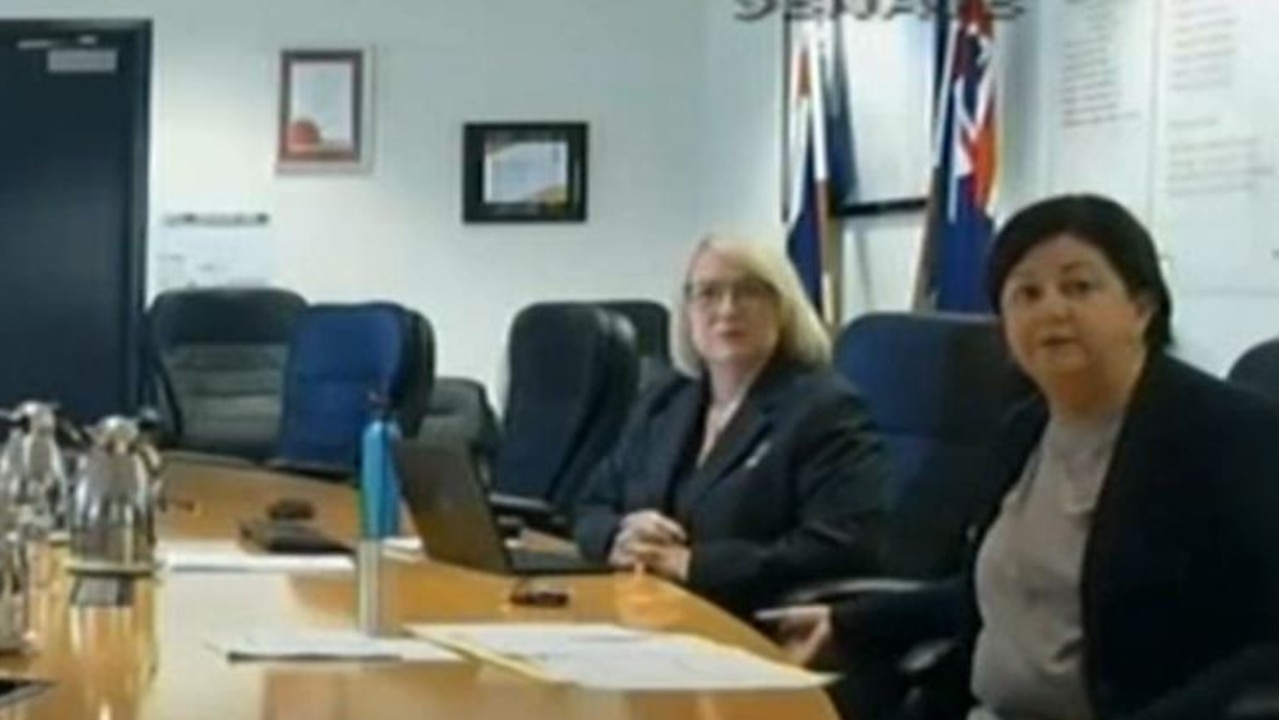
379 483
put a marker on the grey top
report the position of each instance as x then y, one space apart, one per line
1028 660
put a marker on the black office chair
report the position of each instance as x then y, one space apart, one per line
217 358
419 381
1258 369
573 373
459 410
651 321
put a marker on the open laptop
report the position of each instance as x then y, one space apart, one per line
441 485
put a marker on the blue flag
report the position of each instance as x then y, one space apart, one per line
961 223
804 243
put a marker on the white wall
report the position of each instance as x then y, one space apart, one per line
638 72
741 153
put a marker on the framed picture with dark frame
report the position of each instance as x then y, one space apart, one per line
323 116
524 172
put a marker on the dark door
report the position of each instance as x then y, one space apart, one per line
73 131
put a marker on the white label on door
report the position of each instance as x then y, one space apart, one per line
69 61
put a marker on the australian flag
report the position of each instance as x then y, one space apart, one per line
961 222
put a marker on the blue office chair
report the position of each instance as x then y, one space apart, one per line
345 363
573 373
1258 369
216 358
937 387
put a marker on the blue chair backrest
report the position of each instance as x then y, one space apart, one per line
937 387
341 359
572 376
1258 369
217 358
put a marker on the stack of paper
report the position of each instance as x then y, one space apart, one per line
610 657
328 645
229 558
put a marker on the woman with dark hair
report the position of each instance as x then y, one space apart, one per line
1127 560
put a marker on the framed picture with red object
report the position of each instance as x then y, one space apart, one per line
324 111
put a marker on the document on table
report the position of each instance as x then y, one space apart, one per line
328 645
227 557
677 662
610 657
527 639
403 548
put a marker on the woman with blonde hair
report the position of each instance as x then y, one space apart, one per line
755 469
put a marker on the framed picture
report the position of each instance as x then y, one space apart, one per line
524 172
324 106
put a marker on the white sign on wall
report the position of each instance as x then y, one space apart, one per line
213 250
1216 184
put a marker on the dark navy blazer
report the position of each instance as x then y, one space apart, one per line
790 493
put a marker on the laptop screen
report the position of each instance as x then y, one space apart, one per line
441 486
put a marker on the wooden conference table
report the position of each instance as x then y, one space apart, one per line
151 661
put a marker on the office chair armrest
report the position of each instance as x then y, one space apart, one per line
921 659
519 506
829 592
917 658
530 512
510 526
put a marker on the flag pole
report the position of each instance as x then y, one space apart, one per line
927 249
946 39
828 239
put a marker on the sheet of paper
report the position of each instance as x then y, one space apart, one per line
528 639
328 645
667 663
230 558
611 657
